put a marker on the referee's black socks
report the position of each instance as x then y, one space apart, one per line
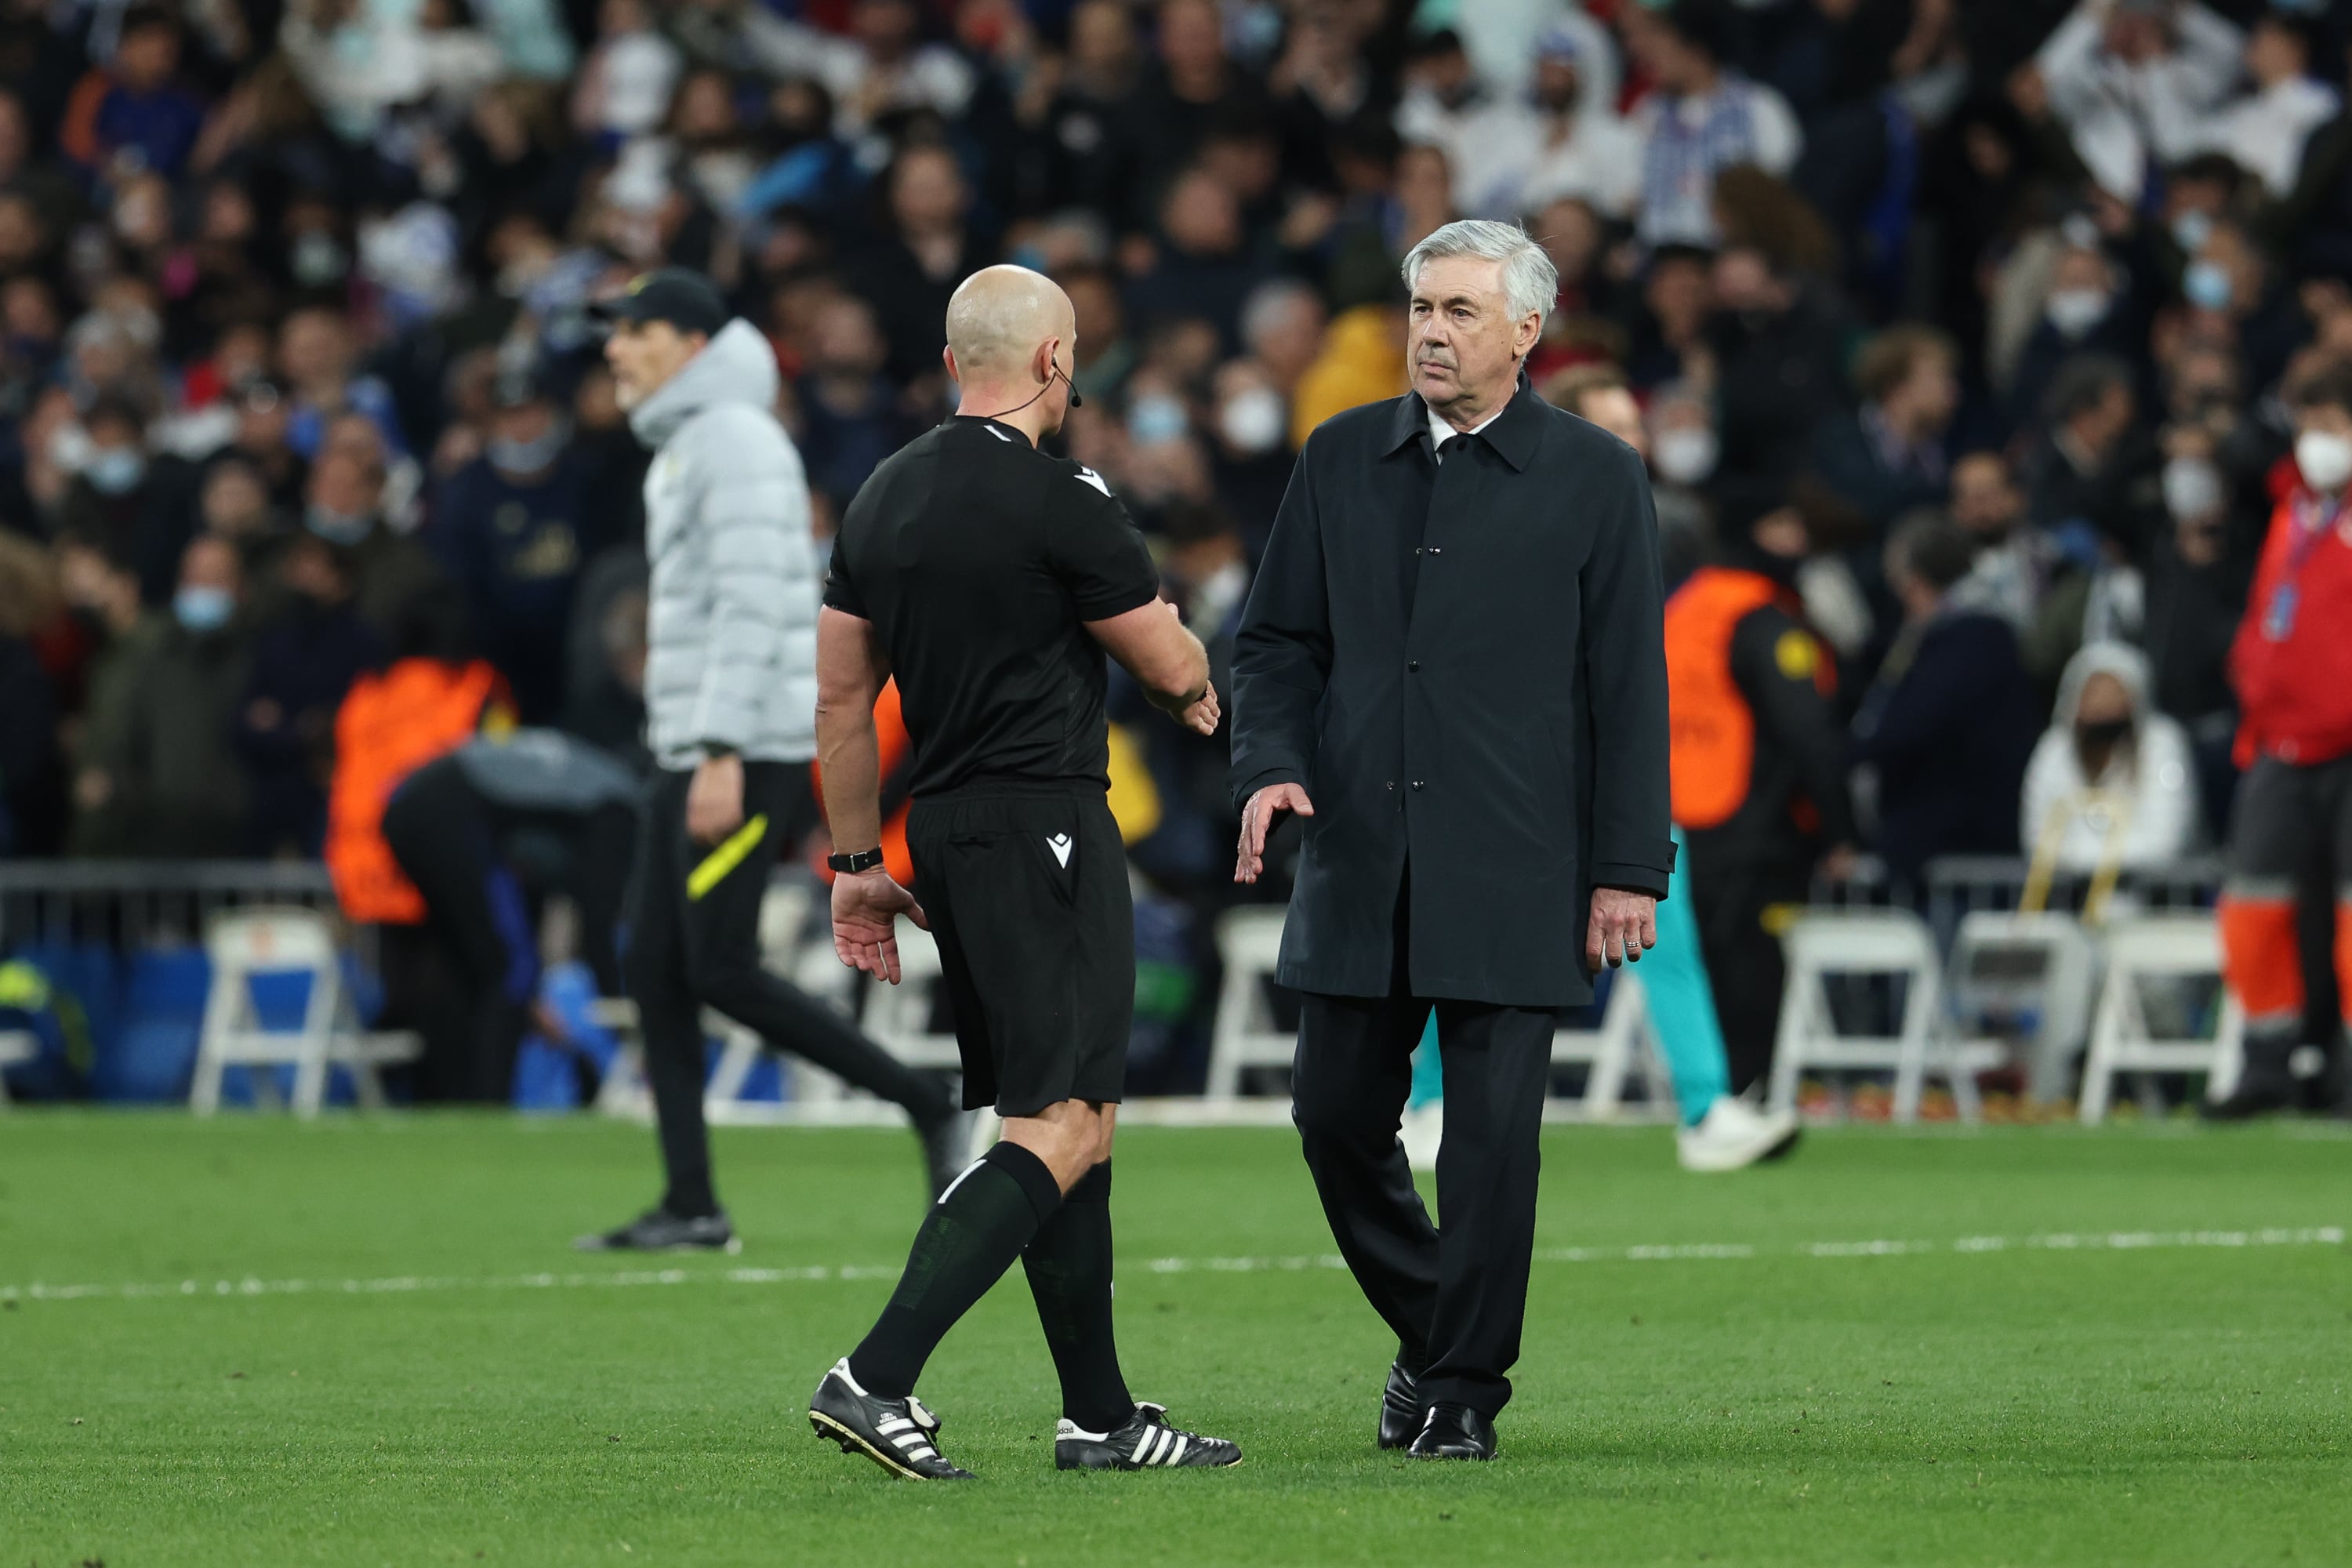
1068 1263
967 1242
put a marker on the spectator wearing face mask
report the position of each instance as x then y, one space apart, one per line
508 527
1946 729
2084 311
305 659
158 777
2293 665
1249 448
1598 393
343 504
2111 781
123 493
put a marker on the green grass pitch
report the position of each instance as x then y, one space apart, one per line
366 1342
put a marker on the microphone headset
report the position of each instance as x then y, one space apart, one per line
1076 400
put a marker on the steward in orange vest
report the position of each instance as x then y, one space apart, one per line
393 723
1757 760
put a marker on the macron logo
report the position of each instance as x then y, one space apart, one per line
1088 475
1060 844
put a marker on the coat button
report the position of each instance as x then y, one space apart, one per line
1391 783
1434 550
1416 783
1413 666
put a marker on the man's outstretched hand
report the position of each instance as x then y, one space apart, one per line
1623 926
866 909
1258 819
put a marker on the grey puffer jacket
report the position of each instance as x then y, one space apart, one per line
730 658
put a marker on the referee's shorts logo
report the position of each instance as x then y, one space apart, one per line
1060 844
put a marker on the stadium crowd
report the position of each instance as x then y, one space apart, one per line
1982 322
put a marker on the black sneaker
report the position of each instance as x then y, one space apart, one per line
1146 1442
895 1434
947 1147
659 1230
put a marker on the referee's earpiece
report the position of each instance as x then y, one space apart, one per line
1076 400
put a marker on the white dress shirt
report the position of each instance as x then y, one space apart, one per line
1440 432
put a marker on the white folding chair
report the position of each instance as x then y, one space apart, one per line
18 1047
1625 1039
1249 945
2159 947
286 940
2041 964
1866 942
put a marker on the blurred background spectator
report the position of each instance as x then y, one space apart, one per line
2004 305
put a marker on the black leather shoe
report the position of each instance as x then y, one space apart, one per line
1454 1431
1402 1411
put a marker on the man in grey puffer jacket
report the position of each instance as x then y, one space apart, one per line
730 701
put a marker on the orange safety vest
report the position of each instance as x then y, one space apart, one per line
1711 728
390 724
895 749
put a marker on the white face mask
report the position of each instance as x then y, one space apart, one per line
2324 459
2193 488
1685 457
1252 420
2074 312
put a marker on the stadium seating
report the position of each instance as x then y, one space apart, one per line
18 1047
1249 945
1892 943
1625 1041
248 944
2159 948
2039 969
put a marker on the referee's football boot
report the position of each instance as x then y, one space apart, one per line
659 1230
1147 1442
899 1435
1454 1431
1404 1411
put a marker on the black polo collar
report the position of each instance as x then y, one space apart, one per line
1514 434
998 427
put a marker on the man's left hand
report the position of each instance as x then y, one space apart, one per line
865 911
1623 926
714 800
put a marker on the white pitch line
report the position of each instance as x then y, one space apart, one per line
1676 1252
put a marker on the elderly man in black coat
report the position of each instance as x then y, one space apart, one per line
1452 667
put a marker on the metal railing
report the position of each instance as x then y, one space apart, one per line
144 903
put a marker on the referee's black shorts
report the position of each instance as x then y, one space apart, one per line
1028 896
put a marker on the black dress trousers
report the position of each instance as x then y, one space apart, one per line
1456 1295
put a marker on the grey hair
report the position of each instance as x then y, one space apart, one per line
1530 281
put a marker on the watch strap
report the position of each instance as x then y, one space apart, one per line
852 864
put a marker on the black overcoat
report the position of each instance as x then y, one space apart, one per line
1463 664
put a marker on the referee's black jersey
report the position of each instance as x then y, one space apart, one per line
977 557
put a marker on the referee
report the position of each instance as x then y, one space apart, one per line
730 691
990 579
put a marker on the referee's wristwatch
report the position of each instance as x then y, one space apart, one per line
851 865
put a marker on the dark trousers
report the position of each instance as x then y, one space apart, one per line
694 942
1736 906
1455 1297
465 978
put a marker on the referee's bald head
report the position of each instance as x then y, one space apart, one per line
1000 316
